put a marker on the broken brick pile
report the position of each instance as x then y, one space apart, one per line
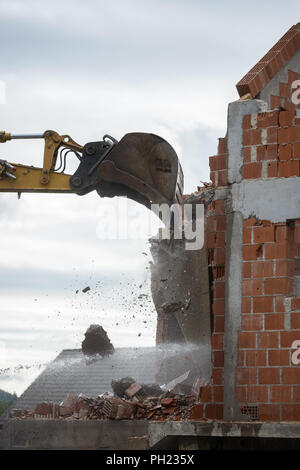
168 406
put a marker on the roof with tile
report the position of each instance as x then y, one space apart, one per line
70 373
257 78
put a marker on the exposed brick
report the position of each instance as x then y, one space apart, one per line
297 233
210 224
219 290
212 163
288 106
272 169
288 134
220 223
218 393
247 235
288 168
241 355
241 394
246 305
296 150
206 394
269 412
213 411
252 322
252 137
268 375
264 234
219 207
247 154
222 178
282 233
287 338
215 239
296 394
274 321
222 145
263 268
282 285
267 119
252 221
290 375
295 321
295 303
284 89
285 268
252 287
286 118
247 270
267 152
218 307
281 394
246 375
256 357
263 304
272 135
279 357
247 121
275 101
291 412
213 177
278 251
267 339
217 341
219 323
218 358
246 340
279 304
252 170
292 76
258 393
217 376
285 152
252 252
196 412
220 256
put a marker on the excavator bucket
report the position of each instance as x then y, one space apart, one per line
143 167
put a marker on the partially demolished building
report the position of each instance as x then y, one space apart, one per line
249 324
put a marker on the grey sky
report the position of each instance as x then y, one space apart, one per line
88 68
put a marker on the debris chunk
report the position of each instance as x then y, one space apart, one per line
86 289
120 386
96 342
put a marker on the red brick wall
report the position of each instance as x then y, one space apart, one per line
266 376
271 140
212 395
267 382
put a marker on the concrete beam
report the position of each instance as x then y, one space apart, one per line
163 432
236 111
233 271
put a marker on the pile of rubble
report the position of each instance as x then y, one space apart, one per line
134 403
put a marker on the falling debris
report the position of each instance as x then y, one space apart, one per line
120 386
96 342
86 289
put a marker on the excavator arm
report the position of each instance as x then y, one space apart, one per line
143 167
